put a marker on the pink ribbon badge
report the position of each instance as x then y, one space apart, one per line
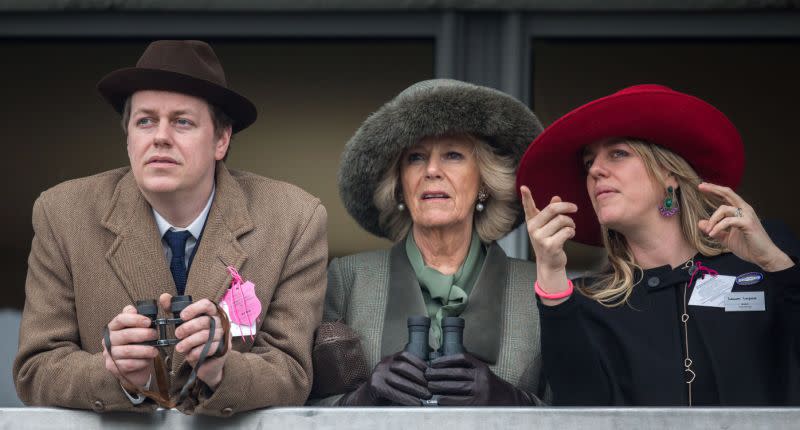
699 268
242 302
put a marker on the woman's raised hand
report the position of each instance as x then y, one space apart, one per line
549 229
737 227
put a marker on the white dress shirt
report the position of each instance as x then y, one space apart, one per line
195 228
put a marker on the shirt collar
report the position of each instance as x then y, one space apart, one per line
195 228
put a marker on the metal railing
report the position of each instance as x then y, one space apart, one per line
410 418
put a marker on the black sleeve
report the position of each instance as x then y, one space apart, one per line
788 281
783 236
572 364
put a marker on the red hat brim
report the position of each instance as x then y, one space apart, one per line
686 125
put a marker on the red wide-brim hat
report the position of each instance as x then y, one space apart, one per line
684 124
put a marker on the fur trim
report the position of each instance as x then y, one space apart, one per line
429 108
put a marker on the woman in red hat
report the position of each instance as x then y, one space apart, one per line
697 305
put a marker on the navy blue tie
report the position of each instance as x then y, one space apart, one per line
177 243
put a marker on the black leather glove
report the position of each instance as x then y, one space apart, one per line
398 379
463 380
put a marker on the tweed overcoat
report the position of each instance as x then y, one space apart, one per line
97 249
375 292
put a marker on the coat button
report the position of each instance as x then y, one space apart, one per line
98 406
227 412
653 281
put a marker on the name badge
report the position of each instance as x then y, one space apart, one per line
238 330
745 302
241 305
711 290
751 278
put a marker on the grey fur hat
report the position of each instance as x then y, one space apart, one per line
434 107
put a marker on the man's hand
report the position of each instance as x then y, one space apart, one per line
193 335
132 362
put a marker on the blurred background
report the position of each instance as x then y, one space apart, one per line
316 68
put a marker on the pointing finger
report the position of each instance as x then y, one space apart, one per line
527 203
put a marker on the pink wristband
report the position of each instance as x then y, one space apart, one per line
555 296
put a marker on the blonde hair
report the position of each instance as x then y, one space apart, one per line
497 174
615 283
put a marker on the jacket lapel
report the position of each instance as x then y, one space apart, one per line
483 316
403 300
136 255
219 245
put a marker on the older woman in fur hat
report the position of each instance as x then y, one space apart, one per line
433 170
697 305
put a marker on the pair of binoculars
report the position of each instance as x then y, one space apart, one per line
149 308
452 343
452 337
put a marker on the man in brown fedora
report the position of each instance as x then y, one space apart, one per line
175 222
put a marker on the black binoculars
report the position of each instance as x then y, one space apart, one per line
452 337
149 308
452 342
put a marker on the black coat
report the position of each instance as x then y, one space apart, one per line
634 354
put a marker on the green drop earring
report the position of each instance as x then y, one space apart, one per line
670 206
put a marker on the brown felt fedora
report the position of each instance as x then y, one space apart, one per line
183 66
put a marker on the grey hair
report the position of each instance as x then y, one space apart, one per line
497 175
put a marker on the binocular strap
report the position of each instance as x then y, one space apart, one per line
221 349
161 397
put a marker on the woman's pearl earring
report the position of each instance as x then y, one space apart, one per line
482 196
